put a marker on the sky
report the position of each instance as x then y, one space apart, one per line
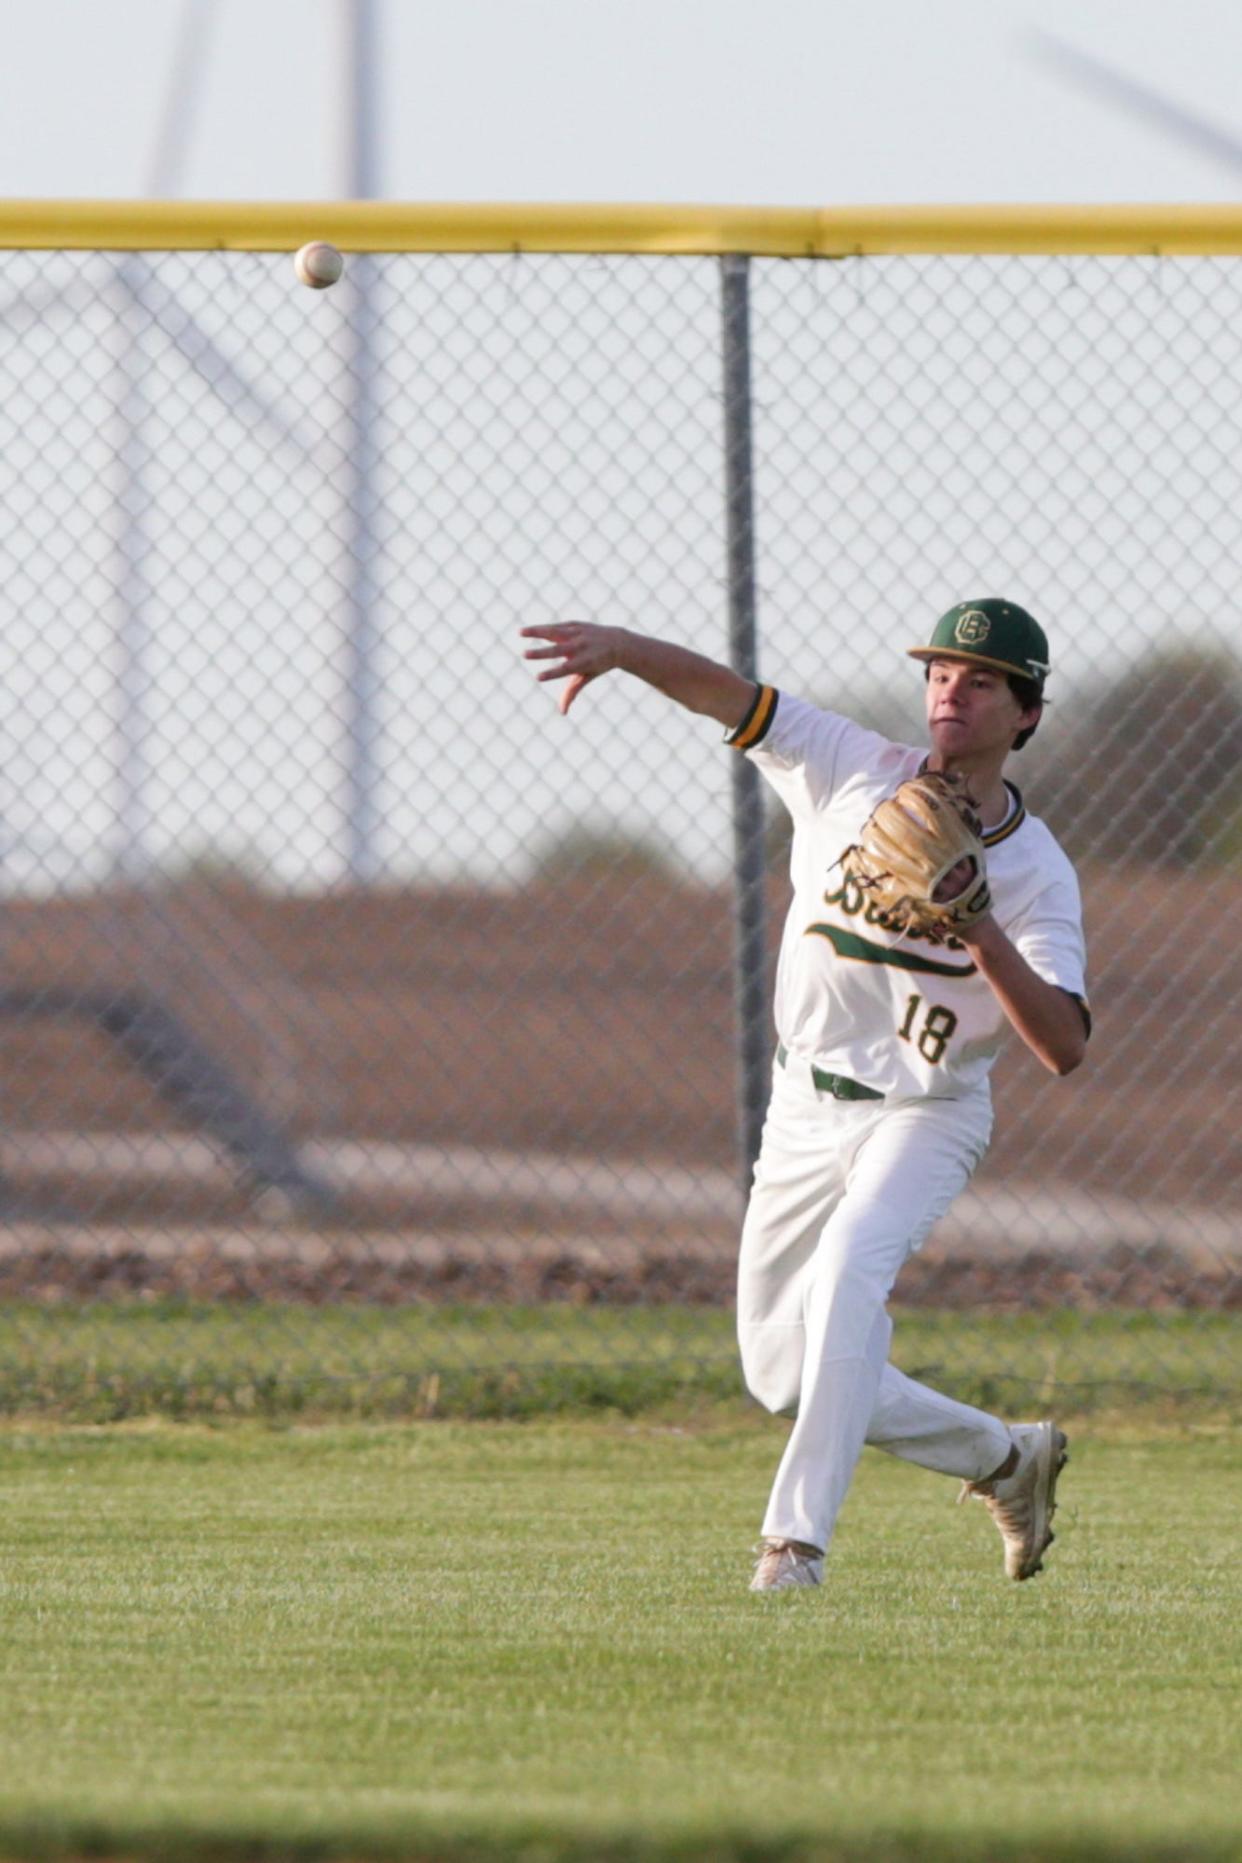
779 102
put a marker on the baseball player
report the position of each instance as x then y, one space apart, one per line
880 1108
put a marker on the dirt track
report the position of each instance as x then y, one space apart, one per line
53 1263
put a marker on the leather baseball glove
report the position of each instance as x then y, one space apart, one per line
910 847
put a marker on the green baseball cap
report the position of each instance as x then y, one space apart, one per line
993 633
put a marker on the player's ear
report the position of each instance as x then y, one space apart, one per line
1027 722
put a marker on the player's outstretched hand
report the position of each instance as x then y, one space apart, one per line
582 650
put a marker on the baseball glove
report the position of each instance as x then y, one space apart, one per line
911 844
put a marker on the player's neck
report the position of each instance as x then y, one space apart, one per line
986 781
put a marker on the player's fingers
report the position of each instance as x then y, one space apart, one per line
550 630
573 689
544 653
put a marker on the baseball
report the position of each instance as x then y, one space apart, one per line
318 264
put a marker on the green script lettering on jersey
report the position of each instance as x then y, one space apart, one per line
849 944
852 900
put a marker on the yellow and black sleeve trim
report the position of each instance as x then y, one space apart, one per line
754 726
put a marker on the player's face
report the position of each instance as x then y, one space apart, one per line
971 711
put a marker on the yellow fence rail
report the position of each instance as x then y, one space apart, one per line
769 232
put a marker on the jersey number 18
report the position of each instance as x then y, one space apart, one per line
938 1025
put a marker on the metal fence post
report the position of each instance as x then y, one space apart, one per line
749 981
363 636
361 696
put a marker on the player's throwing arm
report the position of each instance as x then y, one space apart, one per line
579 651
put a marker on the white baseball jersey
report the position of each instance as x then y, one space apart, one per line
894 1011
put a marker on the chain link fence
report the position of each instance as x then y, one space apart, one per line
363 1019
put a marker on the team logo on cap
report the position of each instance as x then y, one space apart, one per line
972 628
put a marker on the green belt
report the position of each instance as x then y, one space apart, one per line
836 1084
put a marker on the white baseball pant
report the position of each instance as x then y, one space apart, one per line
844 1192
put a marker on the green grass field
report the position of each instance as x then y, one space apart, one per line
113 1360
533 1639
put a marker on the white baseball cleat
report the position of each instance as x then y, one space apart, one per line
783 1565
1022 1504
